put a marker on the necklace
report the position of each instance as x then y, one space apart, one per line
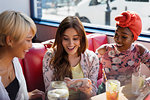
7 75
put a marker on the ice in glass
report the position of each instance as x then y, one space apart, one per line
112 89
137 82
59 91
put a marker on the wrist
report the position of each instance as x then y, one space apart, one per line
29 94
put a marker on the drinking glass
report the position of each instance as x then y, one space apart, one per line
137 82
59 91
112 89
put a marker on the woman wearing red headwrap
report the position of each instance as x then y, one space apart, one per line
122 58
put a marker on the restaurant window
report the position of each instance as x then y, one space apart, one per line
98 12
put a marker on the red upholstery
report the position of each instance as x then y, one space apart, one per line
148 97
96 40
32 63
90 43
48 43
33 67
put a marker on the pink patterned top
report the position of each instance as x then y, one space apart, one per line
89 65
120 65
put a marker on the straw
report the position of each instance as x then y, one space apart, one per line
104 74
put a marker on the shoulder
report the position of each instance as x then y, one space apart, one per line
17 64
49 53
103 48
141 48
89 53
15 59
90 58
46 60
48 56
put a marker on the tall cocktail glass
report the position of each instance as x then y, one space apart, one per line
137 82
112 89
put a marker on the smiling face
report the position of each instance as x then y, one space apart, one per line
19 49
71 41
123 38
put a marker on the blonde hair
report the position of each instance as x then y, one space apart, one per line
16 25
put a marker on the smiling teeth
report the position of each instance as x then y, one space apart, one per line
26 50
71 48
119 44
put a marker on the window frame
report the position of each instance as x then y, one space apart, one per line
90 28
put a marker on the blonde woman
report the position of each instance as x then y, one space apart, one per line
16 33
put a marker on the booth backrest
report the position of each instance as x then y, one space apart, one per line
32 67
96 40
32 63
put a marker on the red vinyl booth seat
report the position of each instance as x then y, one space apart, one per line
32 67
148 97
94 41
32 63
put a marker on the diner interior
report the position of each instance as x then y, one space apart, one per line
97 35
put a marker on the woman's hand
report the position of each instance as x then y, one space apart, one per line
36 94
83 84
70 83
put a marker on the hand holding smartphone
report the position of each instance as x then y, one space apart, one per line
76 84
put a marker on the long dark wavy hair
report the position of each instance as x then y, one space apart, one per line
60 62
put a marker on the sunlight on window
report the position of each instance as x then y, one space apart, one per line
101 12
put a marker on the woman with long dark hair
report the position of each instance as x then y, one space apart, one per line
69 57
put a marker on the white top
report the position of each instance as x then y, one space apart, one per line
22 93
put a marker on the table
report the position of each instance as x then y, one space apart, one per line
125 94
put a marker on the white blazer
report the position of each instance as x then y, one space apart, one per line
22 93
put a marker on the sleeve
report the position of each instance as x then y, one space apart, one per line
47 71
98 55
145 58
3 92
101 59
93 73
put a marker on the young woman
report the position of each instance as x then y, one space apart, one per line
16 33
69 57
124 57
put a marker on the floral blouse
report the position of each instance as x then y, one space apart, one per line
120 65
89 64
